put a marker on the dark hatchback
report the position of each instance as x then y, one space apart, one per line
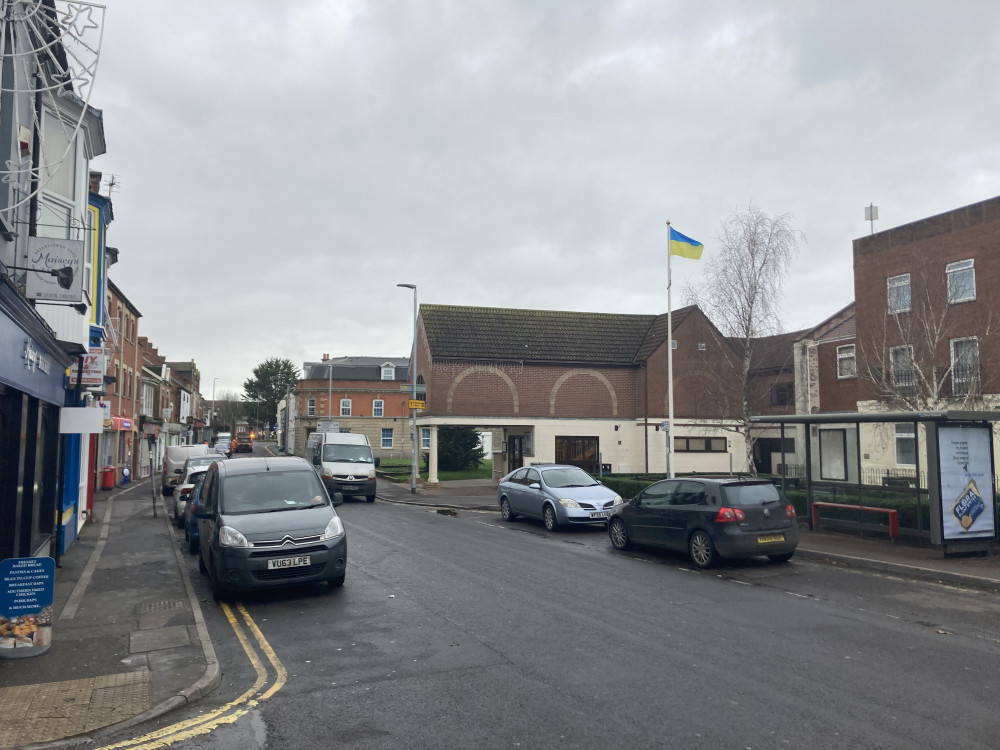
709 518
243 444
267 522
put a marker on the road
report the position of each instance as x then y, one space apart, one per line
459 631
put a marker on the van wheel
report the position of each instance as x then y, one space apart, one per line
370 499
219 592
336 582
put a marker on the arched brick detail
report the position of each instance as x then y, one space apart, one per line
590 373
483 368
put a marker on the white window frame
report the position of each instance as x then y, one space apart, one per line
311 407
388 372
847 353
904 432
893 298
387 437
960 380
425 438
959 274
378 408
345 407
892 365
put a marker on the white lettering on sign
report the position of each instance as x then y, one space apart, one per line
34 359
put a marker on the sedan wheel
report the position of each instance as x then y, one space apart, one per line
549 516
505 512
701 549
619 534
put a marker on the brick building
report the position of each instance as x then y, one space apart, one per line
119 443
362 394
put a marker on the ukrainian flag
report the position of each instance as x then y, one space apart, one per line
684 246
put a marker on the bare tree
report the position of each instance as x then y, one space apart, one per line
741 294
922 358
229 409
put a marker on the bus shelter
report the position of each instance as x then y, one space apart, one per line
953 484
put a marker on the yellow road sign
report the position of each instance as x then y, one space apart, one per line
415 404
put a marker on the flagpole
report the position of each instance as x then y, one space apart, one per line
670 369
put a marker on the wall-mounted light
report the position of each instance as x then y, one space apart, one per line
63 275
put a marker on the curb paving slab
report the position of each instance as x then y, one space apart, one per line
130 642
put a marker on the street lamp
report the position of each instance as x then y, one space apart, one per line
413 412
211 422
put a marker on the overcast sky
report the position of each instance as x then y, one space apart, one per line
281 166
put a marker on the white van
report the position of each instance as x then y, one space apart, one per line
345 463
173 464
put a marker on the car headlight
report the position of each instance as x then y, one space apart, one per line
618 500
333 529
568 502
230 537
328 473
371 473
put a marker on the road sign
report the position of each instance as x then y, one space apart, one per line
421 389
415 404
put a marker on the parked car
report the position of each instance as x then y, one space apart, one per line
556 493
709 518
183 491
190 519
224 448
243 444
173 464
266 522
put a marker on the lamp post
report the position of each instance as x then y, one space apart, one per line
211 422
329 391
413 412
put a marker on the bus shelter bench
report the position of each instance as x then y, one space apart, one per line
891 512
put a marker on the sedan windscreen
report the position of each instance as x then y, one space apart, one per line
761 493
568 477
264 492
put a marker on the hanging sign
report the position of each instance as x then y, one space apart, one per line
53 254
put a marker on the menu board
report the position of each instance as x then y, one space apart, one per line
26 585
966 482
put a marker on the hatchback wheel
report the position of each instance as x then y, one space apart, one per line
549 516
701 549
505 512
619 534
338 581
782 558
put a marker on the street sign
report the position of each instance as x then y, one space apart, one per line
324 425
421 389
415 404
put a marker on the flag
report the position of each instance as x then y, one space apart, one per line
684 246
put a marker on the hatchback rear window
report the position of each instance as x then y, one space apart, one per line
759 493
271 491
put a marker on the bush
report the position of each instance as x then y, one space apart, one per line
459 449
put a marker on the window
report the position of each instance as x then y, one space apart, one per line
425 438
961 281
847 363
898 293
901 369
906 444
699 445
782 394
311 407
833 454
387 437
965 378
345 407
377 407
658 495
388 372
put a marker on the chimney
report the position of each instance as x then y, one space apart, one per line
95 181
326 357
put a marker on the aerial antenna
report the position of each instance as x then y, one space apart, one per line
113 183
871 214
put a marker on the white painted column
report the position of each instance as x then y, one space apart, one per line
432 458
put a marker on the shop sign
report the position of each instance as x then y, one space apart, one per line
95 364
51 254
34 360
26 587
121 423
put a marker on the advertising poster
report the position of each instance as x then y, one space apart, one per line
966 482
26 585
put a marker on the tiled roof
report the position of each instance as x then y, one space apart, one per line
771 352
846 330
355 368
459 332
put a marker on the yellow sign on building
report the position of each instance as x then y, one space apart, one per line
415 404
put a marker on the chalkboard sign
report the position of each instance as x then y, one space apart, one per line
26 585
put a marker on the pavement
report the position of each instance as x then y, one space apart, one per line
129 641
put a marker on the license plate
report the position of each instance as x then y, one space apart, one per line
600 514
288 562
350 487
767 538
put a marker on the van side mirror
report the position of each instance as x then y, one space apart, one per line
315 460
378 461
201 512
337 499
178 471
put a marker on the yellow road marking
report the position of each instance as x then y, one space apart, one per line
230 712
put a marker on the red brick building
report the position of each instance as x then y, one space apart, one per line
119 442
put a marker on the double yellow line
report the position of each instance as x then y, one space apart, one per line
232 711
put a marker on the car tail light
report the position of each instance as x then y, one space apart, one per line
185 491
790 511
730 515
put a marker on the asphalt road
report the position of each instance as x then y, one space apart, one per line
462 631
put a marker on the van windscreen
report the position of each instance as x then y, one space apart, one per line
348 454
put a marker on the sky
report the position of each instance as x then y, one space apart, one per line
280 167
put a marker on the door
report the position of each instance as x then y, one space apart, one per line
515 490
687 505
647 517
532 494
515 452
